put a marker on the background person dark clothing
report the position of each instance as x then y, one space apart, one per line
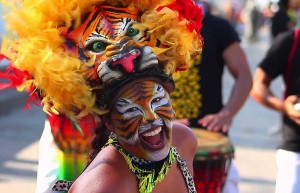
221 47
274 65
218 35
281 21
277 63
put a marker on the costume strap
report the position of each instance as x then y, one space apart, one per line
290 59
62 185
186 173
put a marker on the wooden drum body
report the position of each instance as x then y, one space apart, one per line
212 161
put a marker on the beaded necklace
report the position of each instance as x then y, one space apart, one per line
148 173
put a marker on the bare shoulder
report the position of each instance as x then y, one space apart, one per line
180 131
101 176
184 139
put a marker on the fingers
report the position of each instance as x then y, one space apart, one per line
205 121
289 109
225 128
295 116
215 123
210 122
292 99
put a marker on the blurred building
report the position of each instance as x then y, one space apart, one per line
2 27
3 64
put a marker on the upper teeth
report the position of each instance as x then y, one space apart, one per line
152 133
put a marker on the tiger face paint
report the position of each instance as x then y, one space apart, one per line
142 117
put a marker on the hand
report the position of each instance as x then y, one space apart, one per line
288 108
182 121
217 122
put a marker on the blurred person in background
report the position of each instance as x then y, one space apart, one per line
221 48
282 60
294 12
232 11
281 21
253 19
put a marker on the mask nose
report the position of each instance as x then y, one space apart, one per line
126 61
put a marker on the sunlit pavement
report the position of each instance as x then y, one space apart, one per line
253 133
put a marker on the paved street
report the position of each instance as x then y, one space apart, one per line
251 133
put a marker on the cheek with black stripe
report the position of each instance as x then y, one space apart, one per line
163 107
166 111
126 128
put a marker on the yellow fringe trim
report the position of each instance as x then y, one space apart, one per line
186 98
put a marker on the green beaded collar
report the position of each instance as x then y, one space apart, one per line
148 173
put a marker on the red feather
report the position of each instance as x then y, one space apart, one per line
62 125
187 9
16 78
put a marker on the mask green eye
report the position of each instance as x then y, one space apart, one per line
132 31
97 47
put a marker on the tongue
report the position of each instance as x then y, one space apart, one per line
153 140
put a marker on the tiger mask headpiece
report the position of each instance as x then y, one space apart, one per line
115 42
119 47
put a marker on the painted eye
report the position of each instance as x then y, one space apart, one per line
133 109
132 31
97 46
156 100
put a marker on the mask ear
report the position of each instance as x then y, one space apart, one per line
71 42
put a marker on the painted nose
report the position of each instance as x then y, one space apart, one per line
150 116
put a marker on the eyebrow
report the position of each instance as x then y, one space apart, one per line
159 91
122 102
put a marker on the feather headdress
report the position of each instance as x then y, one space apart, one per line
47 58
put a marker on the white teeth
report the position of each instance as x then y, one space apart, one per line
152 133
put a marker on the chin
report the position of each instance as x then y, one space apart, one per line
159 155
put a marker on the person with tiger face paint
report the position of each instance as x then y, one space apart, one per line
141 121
112 60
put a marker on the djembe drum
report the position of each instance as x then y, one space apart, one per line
212 161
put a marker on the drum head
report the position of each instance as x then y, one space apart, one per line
212 143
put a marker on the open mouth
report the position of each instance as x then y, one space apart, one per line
154 138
